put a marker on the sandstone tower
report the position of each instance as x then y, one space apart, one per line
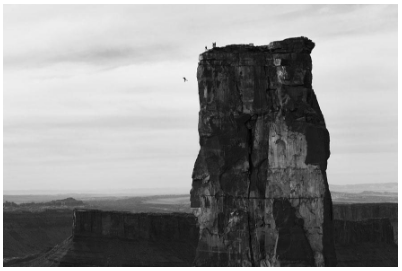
259 189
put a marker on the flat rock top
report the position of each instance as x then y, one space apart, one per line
121 213
297 45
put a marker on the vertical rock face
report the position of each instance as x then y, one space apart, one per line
259 188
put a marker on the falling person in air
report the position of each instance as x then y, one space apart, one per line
185 80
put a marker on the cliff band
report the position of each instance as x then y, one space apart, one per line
363 237
259 188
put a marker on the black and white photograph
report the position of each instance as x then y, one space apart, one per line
200 134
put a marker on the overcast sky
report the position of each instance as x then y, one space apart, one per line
94 97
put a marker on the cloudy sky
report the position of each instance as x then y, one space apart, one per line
94 97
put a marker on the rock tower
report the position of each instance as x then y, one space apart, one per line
260 189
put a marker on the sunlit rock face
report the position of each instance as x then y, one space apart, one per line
259 188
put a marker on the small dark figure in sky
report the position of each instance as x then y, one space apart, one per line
206 48
185 80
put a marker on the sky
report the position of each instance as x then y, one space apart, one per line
94 100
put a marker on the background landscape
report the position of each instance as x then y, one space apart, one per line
34 224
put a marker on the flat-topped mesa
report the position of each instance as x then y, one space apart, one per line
259 187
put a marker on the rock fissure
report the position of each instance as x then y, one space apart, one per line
251 168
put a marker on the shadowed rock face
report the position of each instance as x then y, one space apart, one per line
259 189
371 216
169 227
107 238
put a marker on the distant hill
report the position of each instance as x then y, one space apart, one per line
353 193
22 198
368 187
67 203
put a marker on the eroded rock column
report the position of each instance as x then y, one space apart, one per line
259 184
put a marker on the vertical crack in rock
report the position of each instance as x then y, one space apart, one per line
260 190
251 167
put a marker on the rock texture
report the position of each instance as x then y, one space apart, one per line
156 227
366 214
364 211
366 234
368 231
259 189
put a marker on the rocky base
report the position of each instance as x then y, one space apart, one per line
173 239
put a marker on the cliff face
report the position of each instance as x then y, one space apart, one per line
364 211
367 231
26 233
259 189
374 217
366 234
156 227
104 238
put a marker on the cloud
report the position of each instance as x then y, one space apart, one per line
84 35
107 56
117 36
93 94
166 120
